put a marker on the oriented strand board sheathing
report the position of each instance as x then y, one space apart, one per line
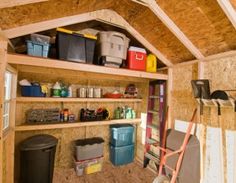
203 22
146 23
183 102
22 15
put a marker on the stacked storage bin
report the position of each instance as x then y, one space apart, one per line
89 155
121 144
111 48
75 47
38 45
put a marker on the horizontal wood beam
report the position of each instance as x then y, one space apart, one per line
206 59
107 16
59 64
174 29
46 25
11 3
229 10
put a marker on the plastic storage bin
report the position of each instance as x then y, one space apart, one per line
137 58
37 154
88 166
37 49
121 135
121 155
89 148
75 47
32 91
112 47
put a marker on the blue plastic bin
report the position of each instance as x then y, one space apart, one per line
37 49
121 135
121 155
32 91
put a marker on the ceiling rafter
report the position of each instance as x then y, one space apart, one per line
108 16
155 8
11 3
228 10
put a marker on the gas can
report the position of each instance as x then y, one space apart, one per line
151 65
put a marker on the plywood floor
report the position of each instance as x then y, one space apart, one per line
131 173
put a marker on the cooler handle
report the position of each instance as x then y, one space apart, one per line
138 58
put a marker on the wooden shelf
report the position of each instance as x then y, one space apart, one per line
29 127
154 97
153 112
60 64
54 99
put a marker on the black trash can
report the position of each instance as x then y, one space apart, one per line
37 154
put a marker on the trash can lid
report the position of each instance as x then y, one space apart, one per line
38 142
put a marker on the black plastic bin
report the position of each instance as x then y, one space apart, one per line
37 155
75 47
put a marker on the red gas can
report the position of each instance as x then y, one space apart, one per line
137 58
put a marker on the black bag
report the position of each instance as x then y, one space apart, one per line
219 94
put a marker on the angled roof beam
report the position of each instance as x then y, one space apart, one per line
171 26
11 3
229 10
108 16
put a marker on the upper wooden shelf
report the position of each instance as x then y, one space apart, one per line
59 64
29 127
54 99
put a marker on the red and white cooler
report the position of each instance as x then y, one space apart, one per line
137 58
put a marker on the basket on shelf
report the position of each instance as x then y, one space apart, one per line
43 115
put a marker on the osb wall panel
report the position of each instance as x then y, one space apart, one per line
203 22
147 23
183 103
221 74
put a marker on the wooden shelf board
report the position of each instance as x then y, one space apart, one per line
54 99
60 64
153 112
154 97
29 127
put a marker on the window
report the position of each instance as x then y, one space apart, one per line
7 100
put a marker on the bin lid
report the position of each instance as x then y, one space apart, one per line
89 141
137 49
116 126
38 142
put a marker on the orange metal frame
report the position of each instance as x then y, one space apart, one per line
166 153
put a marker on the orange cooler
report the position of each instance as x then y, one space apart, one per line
137 58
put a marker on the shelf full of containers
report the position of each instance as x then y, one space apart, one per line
58 99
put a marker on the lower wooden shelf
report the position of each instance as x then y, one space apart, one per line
30 127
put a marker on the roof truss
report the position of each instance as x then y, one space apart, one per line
107 16
11 3
229 10
171 26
